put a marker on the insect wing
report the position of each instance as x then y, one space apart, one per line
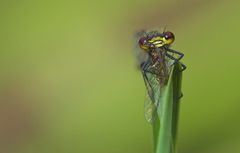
149 109
152 99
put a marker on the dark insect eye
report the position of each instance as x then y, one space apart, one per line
168 35
142 41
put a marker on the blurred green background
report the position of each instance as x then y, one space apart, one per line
68 83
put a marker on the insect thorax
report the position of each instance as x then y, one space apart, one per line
159 65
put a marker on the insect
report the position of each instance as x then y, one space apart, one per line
156 66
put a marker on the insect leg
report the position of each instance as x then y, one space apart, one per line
176 60
176 52
148 86
180 96
148 83
145 67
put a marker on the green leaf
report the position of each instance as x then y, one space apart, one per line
165 126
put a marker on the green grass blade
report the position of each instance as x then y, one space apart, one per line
165 126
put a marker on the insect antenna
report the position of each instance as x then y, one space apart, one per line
164 29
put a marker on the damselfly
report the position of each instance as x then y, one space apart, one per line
156 66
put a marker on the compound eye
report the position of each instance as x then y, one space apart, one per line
142 41
168 35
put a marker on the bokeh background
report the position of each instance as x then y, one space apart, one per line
69 84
